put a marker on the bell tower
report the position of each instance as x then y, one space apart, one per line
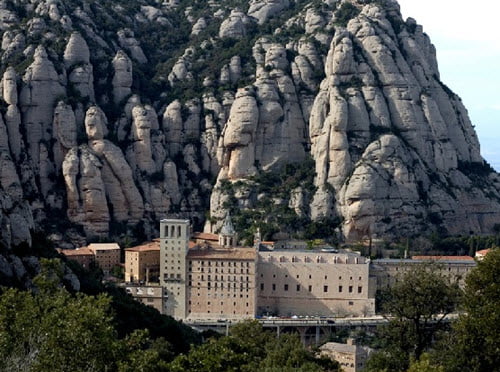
174 243
227 236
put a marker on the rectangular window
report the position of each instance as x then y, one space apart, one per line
340 288
261 286
350 289
298 287
325 288
310 288
274 287
360 289
351 303
286 287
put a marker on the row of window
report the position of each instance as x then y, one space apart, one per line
222 303
221 295
325 288
222 311
310 277
221 286
229 263
173 231
228 278
234 271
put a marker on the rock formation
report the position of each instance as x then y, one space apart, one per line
317 112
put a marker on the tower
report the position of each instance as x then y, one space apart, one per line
227 235
174 245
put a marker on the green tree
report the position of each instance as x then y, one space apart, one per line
416 306
249 348
51 329
474 344
54 331
424 364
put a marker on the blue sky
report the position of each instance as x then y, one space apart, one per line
467 38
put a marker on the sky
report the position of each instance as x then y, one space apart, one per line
467 39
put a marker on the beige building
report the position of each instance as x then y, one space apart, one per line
84 256
151 295
142 263
104 255
351 357
386 271
221 282
174 241
314 283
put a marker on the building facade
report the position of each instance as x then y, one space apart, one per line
151 295
107 255
209 278
351 357
174 244
221 282
386 272
84 256
142 263
314 283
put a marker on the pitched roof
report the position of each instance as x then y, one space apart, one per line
144 247
227 227
205 236
483 252
76 252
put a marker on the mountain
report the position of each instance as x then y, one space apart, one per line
306 117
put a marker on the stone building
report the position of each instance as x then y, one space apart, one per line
142 263
151 295
208 277
352 358
174 244
221 282
317 283
104 255
107 255
385 272
84 256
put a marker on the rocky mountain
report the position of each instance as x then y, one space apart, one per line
297 116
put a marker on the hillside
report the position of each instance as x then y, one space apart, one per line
296 116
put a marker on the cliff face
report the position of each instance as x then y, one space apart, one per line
117 114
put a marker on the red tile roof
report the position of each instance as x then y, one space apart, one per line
76 252
205 236
149 246
483 252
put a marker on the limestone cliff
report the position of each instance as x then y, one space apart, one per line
115 114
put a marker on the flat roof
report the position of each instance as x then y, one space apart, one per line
214 253
443 258
412 261
338 347
104 246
